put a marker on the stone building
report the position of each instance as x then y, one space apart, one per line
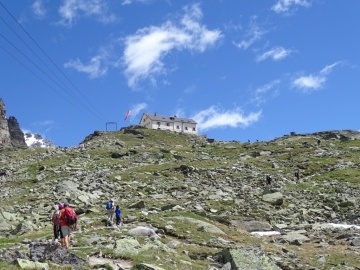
173 123
10 132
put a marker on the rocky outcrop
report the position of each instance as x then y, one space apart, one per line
10 132
16 135
4 128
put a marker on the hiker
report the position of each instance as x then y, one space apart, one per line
268 180
110 211
318 142
297 175
68 223
118 215
55 219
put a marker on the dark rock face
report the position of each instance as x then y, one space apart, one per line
10 255
10 132
16 135
53 252
4 129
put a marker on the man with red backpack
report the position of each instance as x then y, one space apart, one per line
68 223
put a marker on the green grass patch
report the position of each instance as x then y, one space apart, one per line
349 175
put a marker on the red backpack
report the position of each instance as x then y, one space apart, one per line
70 217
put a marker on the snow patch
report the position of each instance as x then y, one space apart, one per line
36 140
266 233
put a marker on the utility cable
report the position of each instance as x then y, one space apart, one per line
90 104
21 63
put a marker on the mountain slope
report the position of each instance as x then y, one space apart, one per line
189 202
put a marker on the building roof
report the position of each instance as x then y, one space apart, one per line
162 118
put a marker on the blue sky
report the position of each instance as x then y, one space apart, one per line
243 69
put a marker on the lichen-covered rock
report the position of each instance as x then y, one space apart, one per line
294 238
126 245
248 258
253 225
141 231
146 266
26 264
275 198
202 225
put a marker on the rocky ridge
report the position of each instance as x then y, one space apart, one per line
10 133
189 202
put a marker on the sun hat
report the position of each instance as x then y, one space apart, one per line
61 206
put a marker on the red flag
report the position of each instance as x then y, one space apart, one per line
127 115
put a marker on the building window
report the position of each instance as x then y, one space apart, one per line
158 123
168 124
194 129
186 128
177 127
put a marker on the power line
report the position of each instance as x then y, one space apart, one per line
21 63
93 109
39 68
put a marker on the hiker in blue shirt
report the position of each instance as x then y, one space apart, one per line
110 211
118 215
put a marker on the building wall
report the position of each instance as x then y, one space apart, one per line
176 126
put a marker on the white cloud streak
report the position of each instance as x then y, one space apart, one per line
263 91
38 8
136 109
144 51
71 10
128 2
94 68
284 6
253 34
214 118
313 81
276 54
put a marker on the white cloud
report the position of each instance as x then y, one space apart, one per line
285 5
94 68
327 69
144 51
38 8
306 83
136 109
43 123
45 126
253 34
313 81
267 87
179 112
128 2
71 10
262 91
275 54
214 118
190 89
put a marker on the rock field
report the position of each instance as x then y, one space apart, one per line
188 202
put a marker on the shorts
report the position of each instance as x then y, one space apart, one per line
65 231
